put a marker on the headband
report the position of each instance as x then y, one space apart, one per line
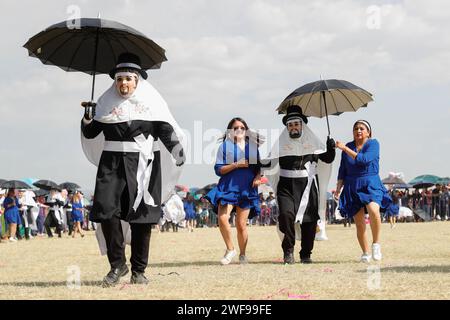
125 74
364 122
294 119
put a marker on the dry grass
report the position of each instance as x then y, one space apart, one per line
416 265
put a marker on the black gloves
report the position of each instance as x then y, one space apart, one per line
331 144
89 110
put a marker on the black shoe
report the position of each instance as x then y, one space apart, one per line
305 260
138 278
289 258
113 276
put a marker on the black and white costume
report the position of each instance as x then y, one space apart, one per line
299 172
136 144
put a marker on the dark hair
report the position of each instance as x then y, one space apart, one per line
230 126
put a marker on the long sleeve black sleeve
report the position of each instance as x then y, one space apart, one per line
166 134
329 155
91 130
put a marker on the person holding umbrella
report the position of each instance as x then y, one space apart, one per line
363 192
299 172
134 140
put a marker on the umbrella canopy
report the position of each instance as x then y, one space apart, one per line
424 181
69 186
393 178
14 184
327 97
41 192
92 45
46 185
444 180
206 188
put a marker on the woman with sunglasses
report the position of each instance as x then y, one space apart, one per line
363 192
238 166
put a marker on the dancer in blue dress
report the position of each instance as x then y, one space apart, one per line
238 167
189 209
393 210
77 214
12 216
363 190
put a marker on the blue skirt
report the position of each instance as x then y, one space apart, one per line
360 191
13 216
392 210
243 200
190 215
77 216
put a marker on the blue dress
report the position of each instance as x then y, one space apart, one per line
362 183
189 210
235 187
12 214
77 213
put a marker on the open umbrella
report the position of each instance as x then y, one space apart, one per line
206 189
14 184
444 181
327 97
69 186
394 178
424 181
47 185
92 45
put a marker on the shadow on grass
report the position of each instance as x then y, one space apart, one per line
45 284
236 262
414 269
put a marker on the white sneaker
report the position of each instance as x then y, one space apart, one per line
365 258
11 239
376 251
229 255
243 259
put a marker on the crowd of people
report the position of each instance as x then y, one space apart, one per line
26 215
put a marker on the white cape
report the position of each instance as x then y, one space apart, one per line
145 104
308 143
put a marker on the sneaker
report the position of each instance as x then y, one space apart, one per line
365 258
11 239
243 259
229 255
376 251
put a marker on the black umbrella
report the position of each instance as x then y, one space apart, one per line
46 185
92 45
70 186
14 184
327 97
41 192
206 188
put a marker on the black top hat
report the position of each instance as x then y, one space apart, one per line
128 60
294 111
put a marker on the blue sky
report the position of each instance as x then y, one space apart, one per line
240 58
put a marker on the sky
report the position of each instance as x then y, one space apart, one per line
238 58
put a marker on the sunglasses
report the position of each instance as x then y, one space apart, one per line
239 128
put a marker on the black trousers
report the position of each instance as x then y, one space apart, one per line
140 244
308 234
52 221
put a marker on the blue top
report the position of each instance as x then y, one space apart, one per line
76 208
362 184
14 208
235 187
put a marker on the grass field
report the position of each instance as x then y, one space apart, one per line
415 265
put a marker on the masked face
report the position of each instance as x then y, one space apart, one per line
294 128
126 84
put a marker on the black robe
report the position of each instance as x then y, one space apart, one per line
290 190
116 183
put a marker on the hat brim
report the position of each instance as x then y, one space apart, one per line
296 114
143 73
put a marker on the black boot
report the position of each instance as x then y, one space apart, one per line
289 258
113 276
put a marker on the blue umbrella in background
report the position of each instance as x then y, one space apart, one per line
424 181
29 181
